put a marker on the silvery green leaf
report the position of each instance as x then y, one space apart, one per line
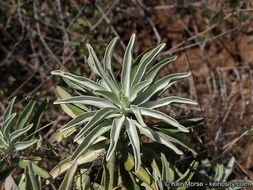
8 111
228 168
67 182
157 138
31 181
109 96
7 124
161 116
77 87
104 85
126 69
158 86
187 176
91 137
89 155
20 132
36 169
136 111
110 173
145 63
172 137
10 184
84 82
138 88
26 114
96 119
113 86
72 110
96 186
167 175
83 181
1 134
152 73
36 119
219 172
108 58
167 101
114 135
25 144
80 119
3 140
137 61
135 142
159 184
87 100
91 63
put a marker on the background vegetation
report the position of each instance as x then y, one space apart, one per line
40 36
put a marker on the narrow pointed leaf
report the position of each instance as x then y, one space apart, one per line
84 82
77 87
108 59
91 63
172 137
167 173
37 117
36 169
137 62
8 111
104 85
142 174
158 86
96 186
14 136
152 73
157 138
145 63
96 119
3 143
80 119
10 184
187 176
99 68
109 96
219 172
31 181
63 94
69 178
109 172
83 179
126 69
136 111
87 100
158 183
167 101
161 116
88 156
229 168
138 88
26 114
23 145
135 142
114 135
90 138
8 123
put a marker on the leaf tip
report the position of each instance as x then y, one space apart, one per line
56 72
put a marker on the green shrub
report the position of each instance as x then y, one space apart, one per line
118 112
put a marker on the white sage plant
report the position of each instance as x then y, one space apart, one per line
123 106
11 140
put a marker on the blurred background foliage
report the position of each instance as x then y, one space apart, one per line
38 36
